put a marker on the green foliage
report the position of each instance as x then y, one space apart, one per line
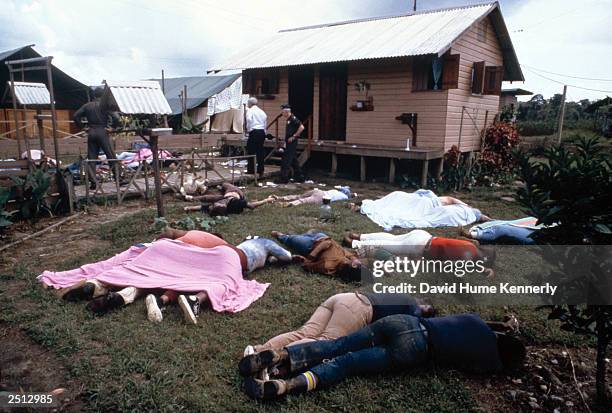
189 223
5 216
571 193
31 194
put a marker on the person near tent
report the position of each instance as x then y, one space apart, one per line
293 130
98 117
395 343
256 122
321 254
230 200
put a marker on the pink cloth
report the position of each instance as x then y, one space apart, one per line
172 265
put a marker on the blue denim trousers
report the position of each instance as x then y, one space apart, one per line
505 232
302 244
394 342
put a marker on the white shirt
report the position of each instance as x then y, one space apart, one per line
256 118
335 195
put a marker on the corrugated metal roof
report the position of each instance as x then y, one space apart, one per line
407 35
139 97
31 93
199 88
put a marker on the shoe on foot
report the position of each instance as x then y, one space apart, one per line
262 390
105 303
81 291
154 309
190 305
248 350
255 363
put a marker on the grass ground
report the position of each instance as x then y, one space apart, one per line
121 362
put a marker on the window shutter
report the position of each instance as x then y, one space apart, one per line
273 82
421 68
493 80
450 73
248 82
478 77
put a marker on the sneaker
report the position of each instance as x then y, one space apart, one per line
191 307
154 309
105 303
248 350
253 364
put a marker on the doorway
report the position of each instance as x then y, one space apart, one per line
332 101
301 94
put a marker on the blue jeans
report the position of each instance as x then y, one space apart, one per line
505 232
302 244
394 342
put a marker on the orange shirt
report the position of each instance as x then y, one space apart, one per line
451 249
330 259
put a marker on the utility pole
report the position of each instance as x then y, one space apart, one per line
414 5
561 114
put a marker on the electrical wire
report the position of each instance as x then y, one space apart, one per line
566 84
562 75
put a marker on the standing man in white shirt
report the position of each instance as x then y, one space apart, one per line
256 121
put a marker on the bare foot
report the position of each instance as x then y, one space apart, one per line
276 234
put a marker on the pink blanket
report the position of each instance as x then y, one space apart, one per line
171 265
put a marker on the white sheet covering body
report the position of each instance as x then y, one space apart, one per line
419 209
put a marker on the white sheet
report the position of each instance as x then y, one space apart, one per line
420 209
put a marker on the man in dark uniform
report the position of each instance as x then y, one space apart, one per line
293 130
97 137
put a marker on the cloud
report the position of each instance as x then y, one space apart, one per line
134 39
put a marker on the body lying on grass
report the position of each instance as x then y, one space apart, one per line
518 231
419 209
230 200
394 343
315 196
192 267
343 314
416 244
322 255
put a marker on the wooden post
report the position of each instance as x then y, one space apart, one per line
17 130
157 177
41 132
334 165
561 114
363 169
53 113
424 173
440 169
117 185
145 167
460 128
391 170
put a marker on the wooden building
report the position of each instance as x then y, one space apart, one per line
70 94
424 81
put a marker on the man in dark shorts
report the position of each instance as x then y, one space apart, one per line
97 116
293 130
230 200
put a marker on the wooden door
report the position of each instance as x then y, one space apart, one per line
332 101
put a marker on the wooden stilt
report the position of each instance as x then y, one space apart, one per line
334 165
391 170
363 169
440 169
424 173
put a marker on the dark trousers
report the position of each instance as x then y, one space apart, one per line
255 146
97 139
393 342
290 161
302 243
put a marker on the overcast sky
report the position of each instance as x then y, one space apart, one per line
94 40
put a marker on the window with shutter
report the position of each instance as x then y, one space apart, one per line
248 82
269 82
493 80
450 71
478 77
